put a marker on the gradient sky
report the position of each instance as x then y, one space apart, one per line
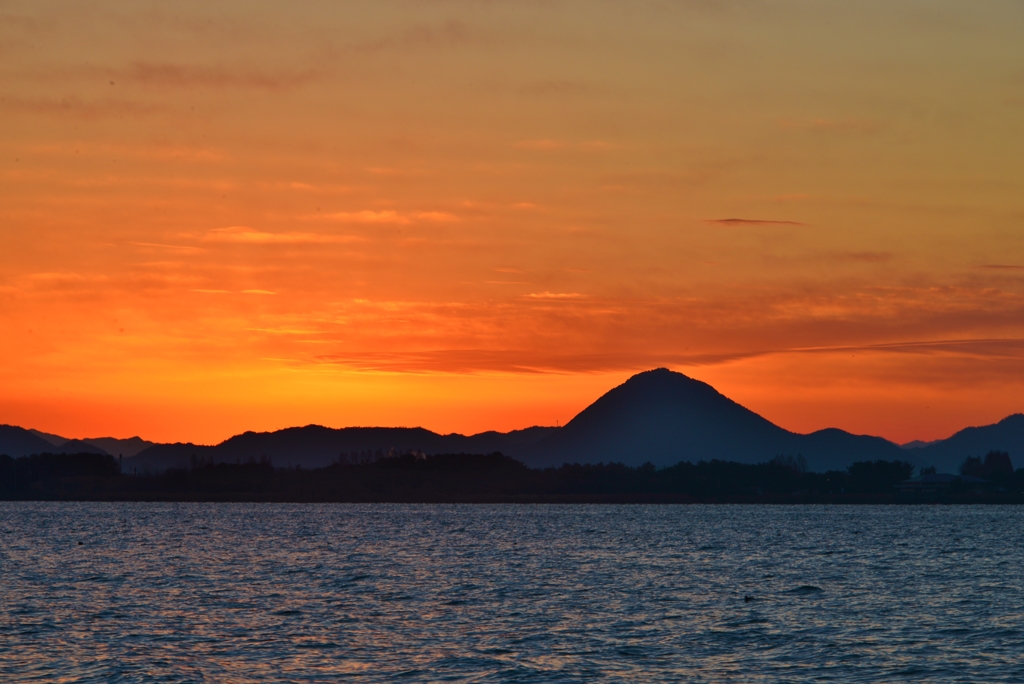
470 215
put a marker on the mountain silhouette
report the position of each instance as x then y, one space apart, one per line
109 445
17 442
835 449
917 444
946 455
55 440
657 416
315 446
119 447
662 417
665 417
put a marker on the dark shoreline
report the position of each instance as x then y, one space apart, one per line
492 479
540 501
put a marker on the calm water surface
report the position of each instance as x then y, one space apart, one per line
98 592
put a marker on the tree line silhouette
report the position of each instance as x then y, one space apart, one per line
417 477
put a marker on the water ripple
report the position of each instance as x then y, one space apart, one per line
262 592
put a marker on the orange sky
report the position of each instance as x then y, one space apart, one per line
482 215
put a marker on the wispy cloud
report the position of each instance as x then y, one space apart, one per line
448 34
557 88
75 107
327 188
248 292
555 295
162 152
172 248
66 277
365 216
542 144
981 348
519 361
847 125
389 217
172 75
245 235
528 360
863 257
545 144
754 222
435 216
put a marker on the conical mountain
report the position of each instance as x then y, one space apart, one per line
665 417
659 416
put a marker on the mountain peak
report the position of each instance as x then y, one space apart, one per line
664 417
663 386
660 374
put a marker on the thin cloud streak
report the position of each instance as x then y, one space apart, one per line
754 222
534 362
245 235
387 216
174 248
864 257
455 361
553 145
171 75
554 295
74 107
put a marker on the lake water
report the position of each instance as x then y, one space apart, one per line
99 592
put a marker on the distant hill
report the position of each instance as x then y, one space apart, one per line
665 417
658 416
120 447
55 440
947 455
835 449
110 445
315 446
77 446
17 442
917 444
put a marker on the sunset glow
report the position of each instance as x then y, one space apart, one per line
470 216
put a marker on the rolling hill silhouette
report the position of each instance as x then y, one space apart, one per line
119 447
109 445
947 455
17 442
657 416
315 446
